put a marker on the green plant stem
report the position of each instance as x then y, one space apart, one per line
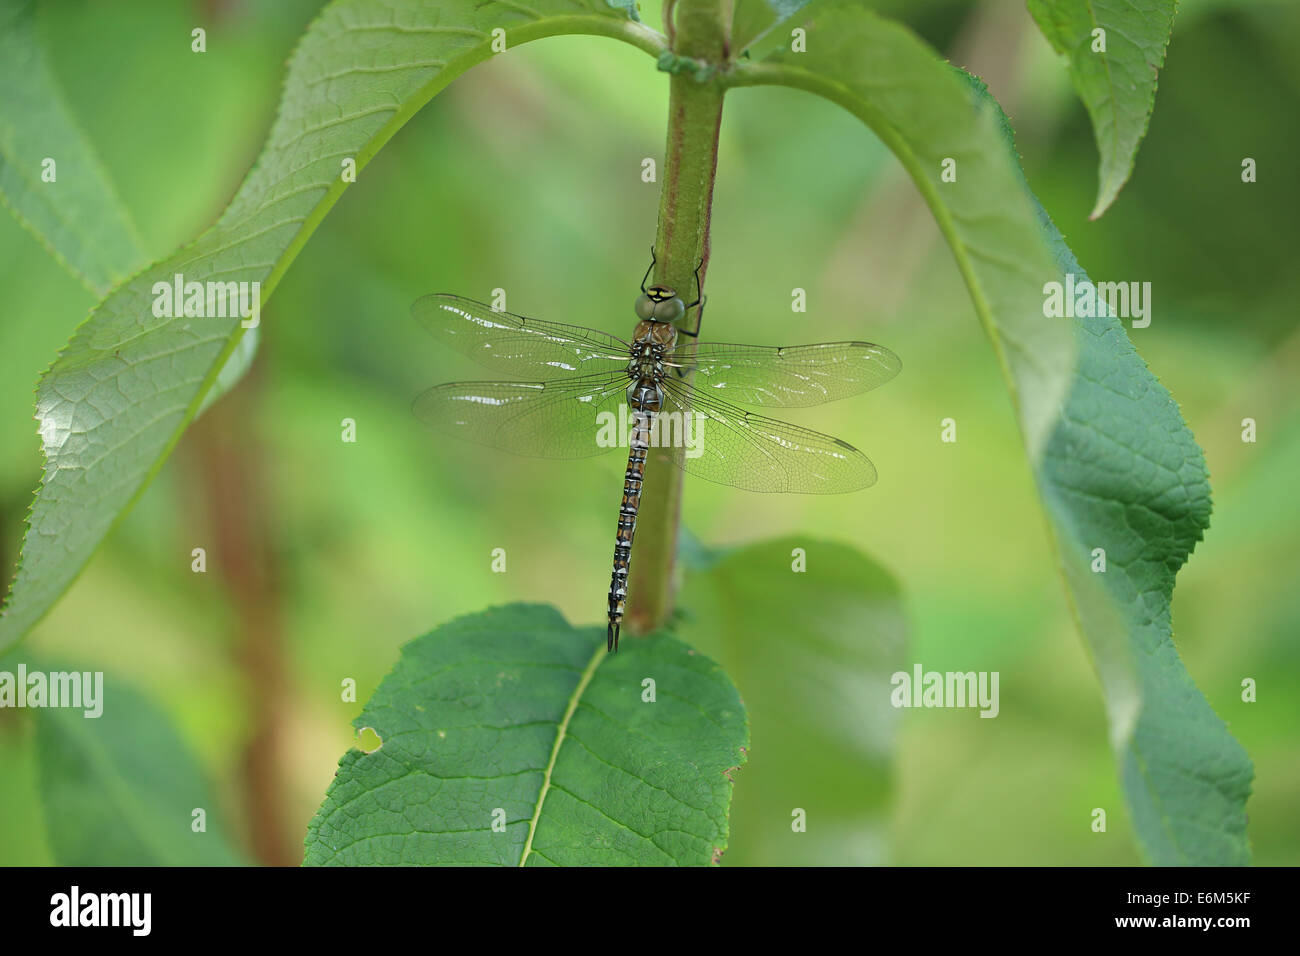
682 242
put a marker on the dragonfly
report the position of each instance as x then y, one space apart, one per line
578 392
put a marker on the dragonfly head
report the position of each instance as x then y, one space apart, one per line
660 304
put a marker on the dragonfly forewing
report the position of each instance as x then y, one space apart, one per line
790 376
517 345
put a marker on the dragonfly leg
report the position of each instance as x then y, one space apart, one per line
701 300
699 291
649 270
699 320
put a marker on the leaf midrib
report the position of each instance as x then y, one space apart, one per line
560 732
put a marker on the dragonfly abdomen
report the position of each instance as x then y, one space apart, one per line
643 408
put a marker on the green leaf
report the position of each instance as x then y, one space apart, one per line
1122 471
121 789
122 391
1116 466
78 217
516 715
812 653
1117 84
755 18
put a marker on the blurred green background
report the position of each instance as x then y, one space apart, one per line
325 557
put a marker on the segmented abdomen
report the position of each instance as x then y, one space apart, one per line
627 511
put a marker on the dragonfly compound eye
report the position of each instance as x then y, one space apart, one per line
670 310
645 306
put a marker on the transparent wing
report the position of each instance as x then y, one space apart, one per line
791 376
515 344
756 453
574 418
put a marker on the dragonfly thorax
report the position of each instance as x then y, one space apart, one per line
660 334
651 342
